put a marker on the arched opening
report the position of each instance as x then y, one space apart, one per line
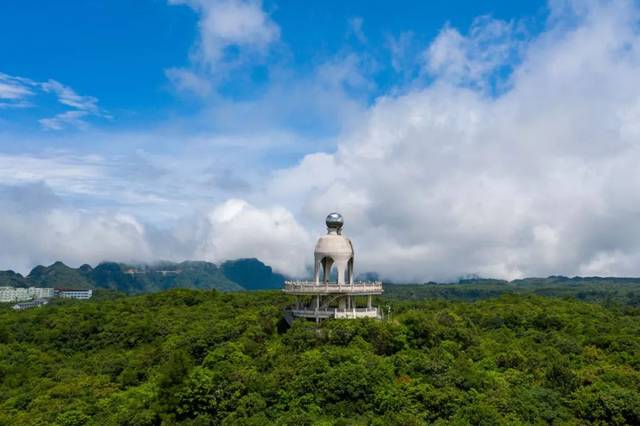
327 263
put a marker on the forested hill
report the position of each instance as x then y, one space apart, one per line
233 275
252 274
206 358
612 291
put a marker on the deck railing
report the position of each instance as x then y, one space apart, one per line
337 313
311 287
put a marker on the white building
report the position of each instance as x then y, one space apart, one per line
69 293
30 304
320 298
14 294
41 292
7 294
18 294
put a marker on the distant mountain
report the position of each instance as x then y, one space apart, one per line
135 279
13 279
252 274
235 275
59 275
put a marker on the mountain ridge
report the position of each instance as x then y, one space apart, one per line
233 275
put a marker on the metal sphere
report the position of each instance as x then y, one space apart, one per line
335 221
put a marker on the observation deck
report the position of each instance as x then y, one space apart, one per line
313 288
321 301
337 313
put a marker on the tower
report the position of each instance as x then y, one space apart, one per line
338 297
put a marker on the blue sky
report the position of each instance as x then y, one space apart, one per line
463 137
118 51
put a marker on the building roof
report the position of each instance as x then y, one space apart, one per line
73 289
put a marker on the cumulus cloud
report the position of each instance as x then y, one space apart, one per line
231 32
448 180
40 228
470 59
238 229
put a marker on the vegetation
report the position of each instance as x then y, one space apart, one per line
610 291
136 279
12 279
233 275
204 357
252 274
60 275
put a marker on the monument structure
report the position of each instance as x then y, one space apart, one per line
337 297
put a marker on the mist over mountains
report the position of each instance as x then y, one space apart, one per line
234 275
253 274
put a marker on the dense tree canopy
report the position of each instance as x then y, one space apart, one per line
204 357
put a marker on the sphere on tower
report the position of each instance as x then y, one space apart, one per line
334 222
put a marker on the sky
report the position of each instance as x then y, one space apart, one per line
498 138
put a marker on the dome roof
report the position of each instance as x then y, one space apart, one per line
334 245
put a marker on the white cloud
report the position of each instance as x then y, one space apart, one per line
14 92
188 81
347 71
83 106
399 49
470 59
231 32
39 228
541 179
65 173
68 118
67 96
239 229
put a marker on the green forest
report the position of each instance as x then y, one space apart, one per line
198 357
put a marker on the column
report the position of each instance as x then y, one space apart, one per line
316 272
340 273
